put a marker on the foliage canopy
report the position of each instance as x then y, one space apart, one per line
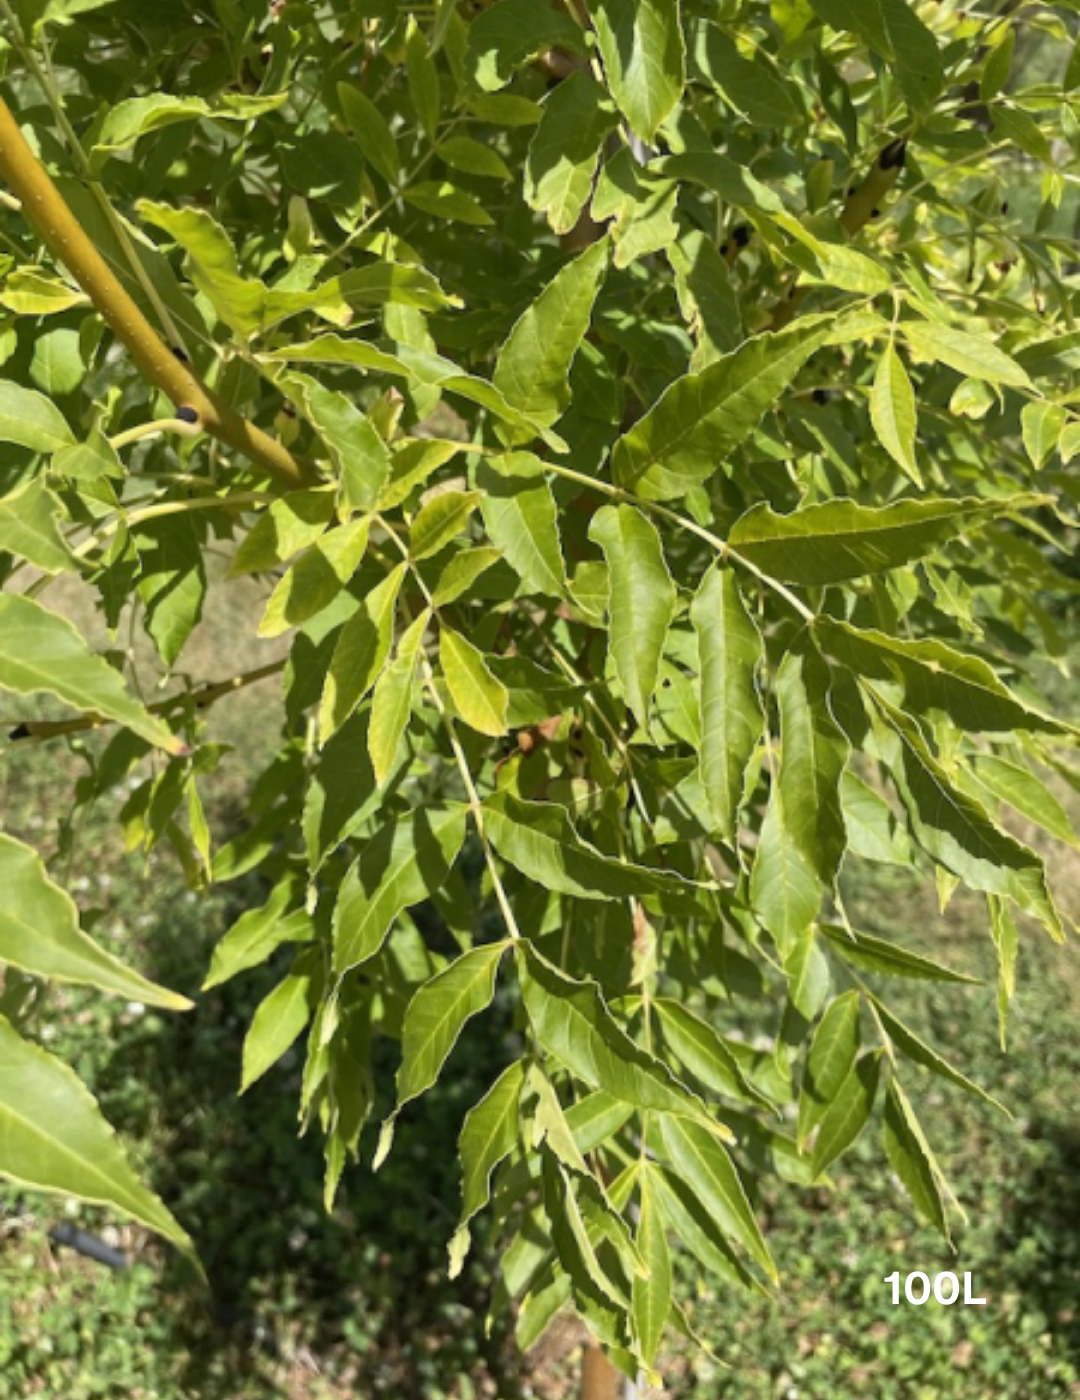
652 424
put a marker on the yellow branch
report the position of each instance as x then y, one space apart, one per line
48 212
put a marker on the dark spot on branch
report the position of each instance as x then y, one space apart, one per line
894 156
21 731
187 414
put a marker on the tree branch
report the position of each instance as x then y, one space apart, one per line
41 729
48 212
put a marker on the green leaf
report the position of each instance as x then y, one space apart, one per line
391 703
1004 933
279 1019
652 1294
172 581
871 954
30 292
29 528
848 1112
317 577
258 933
521 517
538 839
704 1164
935 676
911 1159
641 44
565 149
439 521
808 976
699 1231
840 539
360 654
892 29
342 791
490 1133
873 831
802 838
908 1043
373 135
405 862
573 1025
954 829
1026 794
749 85
423 367
356 449
479 697
894 414
40 934
212 264
53 1138
533 368
968 354
828 1064
707 297
286 526
423 79
474 158
31 420
703 1052
702 418
506 35
462 572
732 719
445 200
641 601
1042 425
733 182
42 654
127 121
437 1014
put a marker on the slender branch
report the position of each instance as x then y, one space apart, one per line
201 699
721 546
476 806
49 213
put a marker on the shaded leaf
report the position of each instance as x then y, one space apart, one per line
840 539
641 601
522 519
532 371
701 418
391 703
405 862
911 1159
540 841
732 718
848 1112
489 1134
360 654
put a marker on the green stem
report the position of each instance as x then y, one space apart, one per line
476 806
654 508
